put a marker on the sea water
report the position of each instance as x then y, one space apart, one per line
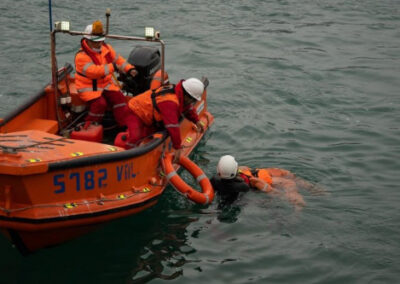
308 86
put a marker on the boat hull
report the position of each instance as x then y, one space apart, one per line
53 188
29 236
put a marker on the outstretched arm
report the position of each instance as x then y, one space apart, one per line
300 183
276 172
260 184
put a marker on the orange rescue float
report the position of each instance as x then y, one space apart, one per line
204 197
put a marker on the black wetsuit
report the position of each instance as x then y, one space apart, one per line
228 190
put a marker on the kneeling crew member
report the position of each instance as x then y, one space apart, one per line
163 107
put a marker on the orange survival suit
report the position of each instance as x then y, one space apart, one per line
160 108
94 81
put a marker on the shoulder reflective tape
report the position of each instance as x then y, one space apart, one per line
170 175
189 139
200 177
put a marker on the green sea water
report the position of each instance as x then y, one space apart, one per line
308 86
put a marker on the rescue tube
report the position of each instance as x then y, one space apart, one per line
204 197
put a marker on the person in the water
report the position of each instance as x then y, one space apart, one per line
231 180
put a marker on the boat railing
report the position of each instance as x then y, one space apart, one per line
63 27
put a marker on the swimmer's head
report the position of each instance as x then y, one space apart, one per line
227 167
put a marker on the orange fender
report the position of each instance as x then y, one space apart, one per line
204 197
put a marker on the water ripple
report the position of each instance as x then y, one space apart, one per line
309 86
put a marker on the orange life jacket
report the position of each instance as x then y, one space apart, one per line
145 106
94 75
260 173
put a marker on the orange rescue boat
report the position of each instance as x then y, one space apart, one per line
53 187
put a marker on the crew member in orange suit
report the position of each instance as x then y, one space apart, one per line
163 108
95 63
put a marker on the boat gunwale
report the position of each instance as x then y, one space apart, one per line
109 157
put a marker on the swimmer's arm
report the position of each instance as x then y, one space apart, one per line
260 184
276 172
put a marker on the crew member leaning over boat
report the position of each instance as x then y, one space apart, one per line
95 63
163 108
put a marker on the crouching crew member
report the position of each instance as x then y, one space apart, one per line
95 63
163 108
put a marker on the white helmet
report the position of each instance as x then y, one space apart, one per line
194 87
88 30
227 167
